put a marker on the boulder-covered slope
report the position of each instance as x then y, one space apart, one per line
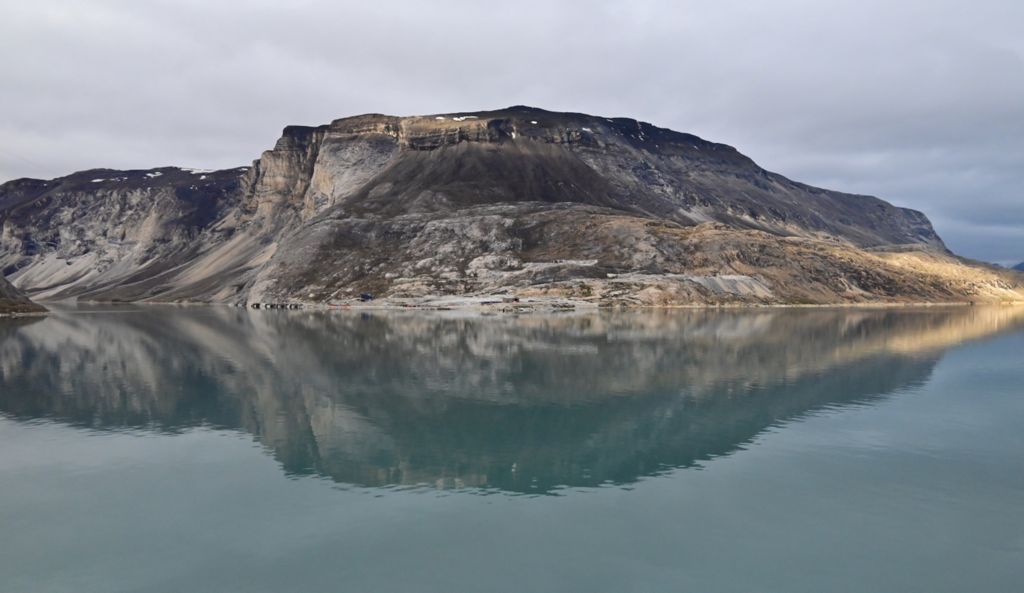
519 201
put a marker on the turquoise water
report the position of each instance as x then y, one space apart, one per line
220 449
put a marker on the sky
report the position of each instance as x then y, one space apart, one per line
920 102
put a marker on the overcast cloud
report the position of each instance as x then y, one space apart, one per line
920 102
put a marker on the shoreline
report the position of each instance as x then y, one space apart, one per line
21 315
524 305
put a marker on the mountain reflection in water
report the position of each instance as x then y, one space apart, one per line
521 404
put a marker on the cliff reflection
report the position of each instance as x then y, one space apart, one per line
523 404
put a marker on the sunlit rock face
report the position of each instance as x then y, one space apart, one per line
525 404
519 201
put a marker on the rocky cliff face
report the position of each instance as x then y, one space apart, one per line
107 232
518 201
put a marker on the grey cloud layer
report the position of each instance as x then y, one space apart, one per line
919 102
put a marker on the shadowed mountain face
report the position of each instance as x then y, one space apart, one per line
1019 267
519 201
14 302
523 404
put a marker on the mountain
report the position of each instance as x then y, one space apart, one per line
520 202
1019 267
14 302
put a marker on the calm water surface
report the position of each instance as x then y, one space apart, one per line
167 449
